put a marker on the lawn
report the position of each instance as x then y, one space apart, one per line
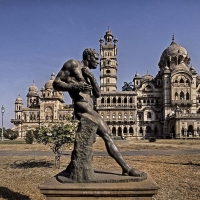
177 176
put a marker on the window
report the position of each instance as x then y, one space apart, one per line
181 81
149 115
181 95
187 96
119 100
102 100
125 100
114 100
108 71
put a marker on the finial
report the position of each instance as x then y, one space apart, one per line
173 37
108 28
33 81
147 72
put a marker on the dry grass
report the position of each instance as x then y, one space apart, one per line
177 176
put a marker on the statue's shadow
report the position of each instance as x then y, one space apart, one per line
8 194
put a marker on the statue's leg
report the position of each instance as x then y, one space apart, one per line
104 132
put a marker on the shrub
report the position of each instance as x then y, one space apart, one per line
56 135
152 139
10 134
29 137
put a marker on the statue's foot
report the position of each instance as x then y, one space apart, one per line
133 172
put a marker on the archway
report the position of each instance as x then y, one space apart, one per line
190 131
114 131
131 130
125 131
119 131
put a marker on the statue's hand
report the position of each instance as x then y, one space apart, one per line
81 86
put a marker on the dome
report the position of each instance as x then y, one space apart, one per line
49 84
137 75
173 50
33 90
173 55
181 66
147 77
18 99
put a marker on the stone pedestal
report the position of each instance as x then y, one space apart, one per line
109 186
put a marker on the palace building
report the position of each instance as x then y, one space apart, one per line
48 106
164 106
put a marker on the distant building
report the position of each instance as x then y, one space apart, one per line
48 106
164 106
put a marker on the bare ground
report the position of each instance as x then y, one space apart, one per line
177 176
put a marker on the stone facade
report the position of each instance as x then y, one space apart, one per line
164 106
48 106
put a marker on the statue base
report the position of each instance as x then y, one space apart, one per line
108 186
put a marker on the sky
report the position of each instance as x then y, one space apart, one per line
37 37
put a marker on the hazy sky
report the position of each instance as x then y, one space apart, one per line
38 36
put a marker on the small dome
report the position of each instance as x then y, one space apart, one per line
137 75
18 99
49 84
33 90
101 40
181 66
147 77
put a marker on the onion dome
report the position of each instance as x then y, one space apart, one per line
49 84
108 36
101 40
174 54
115 40
33 90
137 75
18 100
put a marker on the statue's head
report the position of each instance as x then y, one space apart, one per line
92 56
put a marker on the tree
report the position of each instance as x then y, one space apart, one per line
10 134
127 86
56 135
29 137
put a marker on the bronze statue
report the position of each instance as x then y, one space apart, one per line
77 78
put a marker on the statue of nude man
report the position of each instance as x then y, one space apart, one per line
77 79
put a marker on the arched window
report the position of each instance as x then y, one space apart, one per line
102 100
152 101
108 100
114 131
125 130
114 100
156 130
119 131
181 95
48 113
131 131
187 81
144 101
187 96
181 81
176 96
141 130
148 101
125 100
119 100
149 115
131 100
108 71
176 81
148 129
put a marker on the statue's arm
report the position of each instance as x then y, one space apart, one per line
95 87
70 79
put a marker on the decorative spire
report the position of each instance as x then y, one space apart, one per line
173 37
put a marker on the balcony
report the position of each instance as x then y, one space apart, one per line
181 102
